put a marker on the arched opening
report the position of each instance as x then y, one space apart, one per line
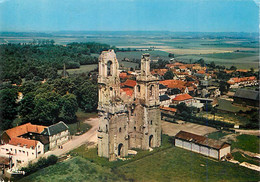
151 141
129 144
109 68
120 130
151 90
120 149
138 88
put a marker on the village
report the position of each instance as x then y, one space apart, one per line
191 100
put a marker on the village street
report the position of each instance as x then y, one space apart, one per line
76 141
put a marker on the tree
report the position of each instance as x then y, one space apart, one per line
69 108
8 107
26 108
168 75
47 108
171 55
87 96
212 64
233 68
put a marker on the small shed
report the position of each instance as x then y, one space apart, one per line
203 145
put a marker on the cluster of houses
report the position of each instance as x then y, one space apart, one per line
27 142
190 82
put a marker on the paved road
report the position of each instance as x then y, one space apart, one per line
76 141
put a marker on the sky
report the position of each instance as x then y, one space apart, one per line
129 15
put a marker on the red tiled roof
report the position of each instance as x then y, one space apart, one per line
25 128
129 83
123 75
201 72
182 97
242 70
159 71
191 89
128 91
168 109
23 142
237 80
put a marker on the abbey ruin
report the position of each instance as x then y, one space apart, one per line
127 121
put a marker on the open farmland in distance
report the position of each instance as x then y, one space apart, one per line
226 49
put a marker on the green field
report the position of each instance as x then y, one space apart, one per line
247 142
82 69
218 135
72 170
167 163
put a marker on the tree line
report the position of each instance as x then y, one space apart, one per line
41 61
47 103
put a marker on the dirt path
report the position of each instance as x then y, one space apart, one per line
172 129
249 132
76 141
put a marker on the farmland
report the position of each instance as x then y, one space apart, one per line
243 52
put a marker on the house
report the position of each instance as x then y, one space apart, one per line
183 98
236 82
162 89
246 97
165 100
28 142
167 113
58 134
202 145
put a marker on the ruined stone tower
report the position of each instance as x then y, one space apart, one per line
126 122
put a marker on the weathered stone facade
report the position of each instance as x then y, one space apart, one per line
127 121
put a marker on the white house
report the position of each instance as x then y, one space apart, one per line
58 134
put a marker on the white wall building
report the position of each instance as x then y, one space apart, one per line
200 144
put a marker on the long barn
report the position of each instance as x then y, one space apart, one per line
200 144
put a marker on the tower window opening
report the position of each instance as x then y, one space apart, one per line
120 130
109 68
138 88
151 90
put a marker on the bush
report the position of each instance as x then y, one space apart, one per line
41 163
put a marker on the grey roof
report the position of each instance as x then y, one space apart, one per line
247 94
164 97
55 129
161 86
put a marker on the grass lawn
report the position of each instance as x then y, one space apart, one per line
166 163
82 69
225 117
72 170
83 127
227 105
218 135
175 164
247 142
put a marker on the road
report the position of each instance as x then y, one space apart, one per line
76 141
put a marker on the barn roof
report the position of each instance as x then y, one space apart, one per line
201 140
247 94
